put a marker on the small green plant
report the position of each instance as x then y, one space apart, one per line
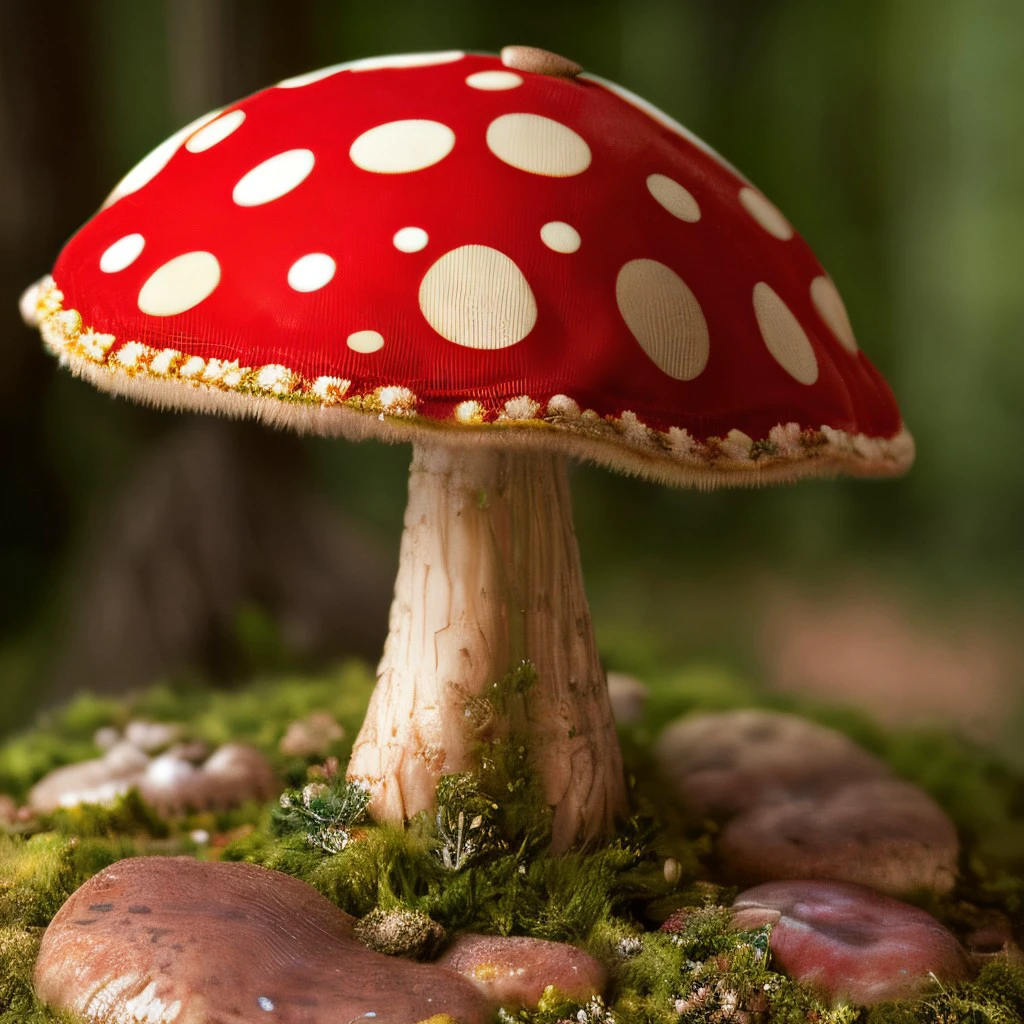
326 812
465 822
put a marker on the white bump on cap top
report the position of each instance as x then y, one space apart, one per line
785 338
477 297
122 254
152 164
365 341
180 284
674 197
399 147
273 178
766 214
410 239
538 145
664 316
829 304
311 272
215 131
560 237
494 81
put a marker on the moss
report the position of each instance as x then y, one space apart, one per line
480 864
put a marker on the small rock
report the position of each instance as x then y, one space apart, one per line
884 833
311 736
851 942
798 800
235 773
100 781
400 933
8 810
173 939
628 697
151 736
106 737
174 781
515 971
719 764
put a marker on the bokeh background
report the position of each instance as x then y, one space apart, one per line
137 546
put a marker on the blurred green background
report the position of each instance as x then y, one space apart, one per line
888 131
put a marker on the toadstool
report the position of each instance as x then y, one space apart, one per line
506 263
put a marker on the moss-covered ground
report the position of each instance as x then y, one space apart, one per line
480 863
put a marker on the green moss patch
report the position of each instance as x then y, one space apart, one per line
479 862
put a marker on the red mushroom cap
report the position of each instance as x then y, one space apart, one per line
440 242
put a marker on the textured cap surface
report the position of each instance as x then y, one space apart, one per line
438 240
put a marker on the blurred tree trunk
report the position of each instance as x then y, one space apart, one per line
43 126
218 517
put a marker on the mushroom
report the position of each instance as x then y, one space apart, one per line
505 267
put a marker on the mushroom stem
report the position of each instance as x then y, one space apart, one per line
489 578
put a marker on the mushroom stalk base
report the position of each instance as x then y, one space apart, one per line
489 578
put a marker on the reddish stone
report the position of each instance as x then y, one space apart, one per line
178 941
851 942
720 764
514 971
884 833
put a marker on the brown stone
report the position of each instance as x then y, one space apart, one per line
851 942
719 764
178 941
514 971
884 833
798 800
541 62
628 697
311 736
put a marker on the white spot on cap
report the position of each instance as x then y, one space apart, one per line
266 1003
786 339
664 316
298 81
829 304
538 145
766 214
561 237
399 147
477 297
180 284
150 166
494 81
274 178
674 198
216 131
397 60
123 253
311 272
405 60
411 239
365 341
